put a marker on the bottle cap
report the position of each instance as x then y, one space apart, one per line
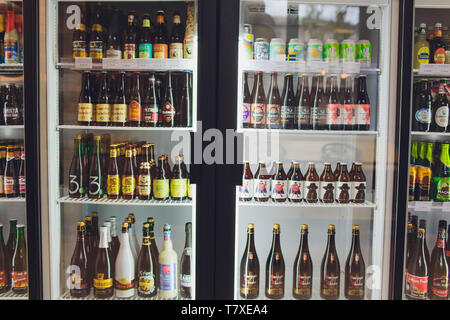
304 227
331 227
251 226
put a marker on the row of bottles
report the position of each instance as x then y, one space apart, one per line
432 46
330 275
113 264
339 185
324 107
12 169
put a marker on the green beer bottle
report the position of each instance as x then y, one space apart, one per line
442 178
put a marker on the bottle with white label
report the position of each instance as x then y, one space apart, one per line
124 268
327 185
296 184
246 189
262 183
358 185
168 267
362 105
279 185
441 110
130 238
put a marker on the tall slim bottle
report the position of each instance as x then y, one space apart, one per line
133 232
169 110
439 271
124 268
417 276
103 271
258 103
303 114
146 267
4 265
77 172
11 39
130 238
273 105
168 268
80 279
275 268
289 105
85 102
330 270
185 265
115 243
246 103
355 270
303 268
249 286
96 183
362 105
153 245
19 266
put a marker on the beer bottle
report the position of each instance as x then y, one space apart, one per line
80 284
442 177
185 265
19 271
178 183
438 46
11 245
319 108
303 115
79 45
96 41
441 110
113 182
146 268
348 107
299 89
289 105
160 47
151 108
115 244
2 169
246 189
261 183
343 186
246 103
417 277
119 108
439 271
355 270
423 225
130 45
273 104
330 270
11 39
153 245
10 179
413 170
279 185
103 275
107 225
176 39
422 108
96 182
275 268
76 172
168 268
184 117
161 181
11 108
114 40
145 181
134 248
168 112
295 184
5 281
327 185
95 235
425 174
167 165
447 247
249 286
337 171
103 106
333 112
146 40
258 100
128 175
358 185
362 105
85 101
90 250
312 183
135 106
303 268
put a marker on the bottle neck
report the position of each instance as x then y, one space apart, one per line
331 242
11 21
304 240
276 242
187 243
125 239
103 243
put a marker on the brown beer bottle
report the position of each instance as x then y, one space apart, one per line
303 268
358 185
21 173
273 107
343 186
289 105
80 280
153 245
330 270
348 107
135 104
423 225
275 268
169 111
95 236
19 271
185 265
312 183
303 114
184 116
250 267
103 277
119 108
258 101
333 112
439 271
296 184
355 270
279 185
417 276
2 169
96 183
113 183
145 181
327 184
246 189
10 179
161 181
128 175
262 183
246 103
151 110
179 181
103 103
337 171
146 267
5 281
130 46
85 102
319 107
10 246
90 250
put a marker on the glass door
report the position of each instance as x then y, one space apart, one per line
122 96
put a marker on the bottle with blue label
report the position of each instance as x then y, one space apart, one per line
168 267
421 47
422 108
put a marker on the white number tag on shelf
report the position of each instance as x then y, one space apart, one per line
431 69
111 63
446 207
423 206
83 63
351 67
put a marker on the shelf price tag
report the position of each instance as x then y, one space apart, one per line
111 63
83 63
351 67
433 69
446 207
424 206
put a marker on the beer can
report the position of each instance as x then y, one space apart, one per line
364 52
348 50
314 50
247 42
296 51
277 50
331 51
261 49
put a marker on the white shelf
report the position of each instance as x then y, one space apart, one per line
10 295
336 2
111 128
304 204
311 132
18 199
13 127
122 202
66 296
433 70
429 206
433 4
430 134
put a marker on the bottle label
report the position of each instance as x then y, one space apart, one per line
356 286
276 284
77 282
347 114
151 113
2 279
11 52
303 115
318 116
441 116
74 185
128 185
330 285
359 191
161 188
22 184
311 190
129 51
279 189
343 191
439 286
363 114
160 51
273 114
2 190
12 113
113 53
79 49
185 280
176 50
327 191
246 190
295 190
134 111
424 179
96 49
94 186
416 287
19 279
102 112
303 285
119 113
287 114
188 47
168 112
439 56
145 50
262 188
85 112
168 277
113 184
258 113
423 115
146 283
124 284
178 188
8 183
423 55
440 243
249 284
333 114
246 113
443 189
145 185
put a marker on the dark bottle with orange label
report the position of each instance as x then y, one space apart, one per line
160 46
312 184
275 268
438 46
80 280
119 107
330 270
10 179
249 279
128 175
135 103
355 270
417 275
130 46
303 268
333 112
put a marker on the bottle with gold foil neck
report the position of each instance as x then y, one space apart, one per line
80 280
303 268
330 270
275 268
146 267
355 270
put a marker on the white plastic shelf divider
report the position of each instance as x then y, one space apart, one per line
18 199
110 128
10 295
66 296
433 70
123 202
430 134
429 206
304 204
310 132
13 127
